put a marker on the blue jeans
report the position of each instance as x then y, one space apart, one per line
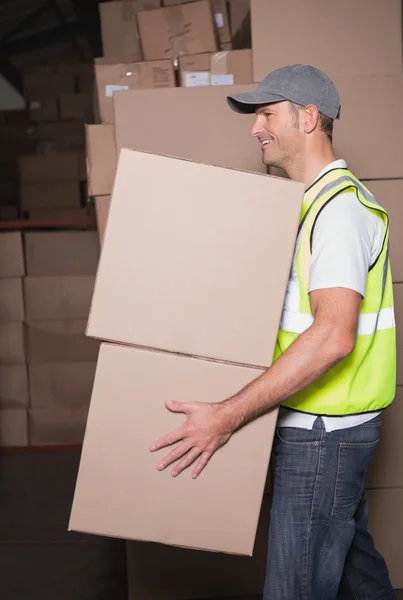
319 544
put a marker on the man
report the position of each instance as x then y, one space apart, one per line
334 368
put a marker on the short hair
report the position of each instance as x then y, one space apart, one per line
326 123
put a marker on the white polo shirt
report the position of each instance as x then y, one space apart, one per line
347 239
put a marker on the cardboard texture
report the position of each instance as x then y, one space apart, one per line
61 213
13 426
57 425
221 19
61 384
49 80
390 194
119 26
229 491
184 29
60 298
129 76
11 255
43 109
102 204
101 159
386 469
59 341
11 300
398 300
229 225
224 576
222 136
386 526
61 136
51 194
371 45
49 167
13 385
61 253
239 16
219 68
12 345
76 106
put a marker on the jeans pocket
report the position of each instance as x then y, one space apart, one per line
352 468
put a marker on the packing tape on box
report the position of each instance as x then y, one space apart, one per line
178 29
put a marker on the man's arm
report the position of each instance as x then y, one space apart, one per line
330 338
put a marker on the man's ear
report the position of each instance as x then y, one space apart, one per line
311 118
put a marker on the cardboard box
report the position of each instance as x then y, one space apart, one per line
51 194
371 45
60 298
224 576
11 255
386 526
57 425
239 16
61 253
48 80
84 73
12 343
219 68
222 136
385 471
76 106
13 426
44 109
221 19
398 300
56 214
389 194
49 167
11 299
102 204
229 493
184 29
59 342
101 159
61 136
13 385
61 385
119 26
201 252
129 76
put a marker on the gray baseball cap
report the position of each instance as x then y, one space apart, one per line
302 84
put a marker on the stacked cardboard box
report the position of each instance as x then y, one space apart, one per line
14 396
61 360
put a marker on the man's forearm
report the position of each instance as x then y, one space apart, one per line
312 354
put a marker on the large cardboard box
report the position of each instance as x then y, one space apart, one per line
11 255
222 136
239 16
390 194
61 384
398 300
57 426
221 19
129 76
386 526
61 298
61 136
13 426
199 246
11 299
51 194
76 106
102 204
386 469
101 159
172 31
371 33
49 80
218 68
13 385
12 343
119 26
61 214
59 341
44 109
61 253
226 498
49 167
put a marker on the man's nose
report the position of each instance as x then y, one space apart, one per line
256 127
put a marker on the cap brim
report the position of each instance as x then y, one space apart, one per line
247 102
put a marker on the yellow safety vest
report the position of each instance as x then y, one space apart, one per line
365 380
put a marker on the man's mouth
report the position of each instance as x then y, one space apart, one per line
266 141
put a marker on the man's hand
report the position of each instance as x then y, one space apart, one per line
206 429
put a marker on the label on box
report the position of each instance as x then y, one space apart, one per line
219 20
111 89
224 79
197 79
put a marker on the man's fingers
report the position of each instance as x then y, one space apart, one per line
188 460
181 407
205 457
176 454
167 440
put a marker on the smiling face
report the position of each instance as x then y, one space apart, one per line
278 130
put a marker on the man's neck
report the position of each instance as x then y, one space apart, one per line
308 168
